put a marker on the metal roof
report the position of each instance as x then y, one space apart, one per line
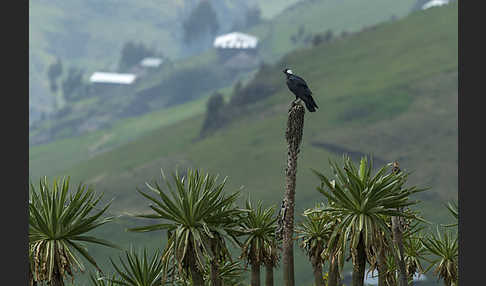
117 78
151 62
434 3
372 278
235 40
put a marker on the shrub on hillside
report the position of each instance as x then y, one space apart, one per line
53 73
201 21
254 91
253 16
214 114
73 86
132 53
322 38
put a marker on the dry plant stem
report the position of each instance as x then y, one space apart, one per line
32 281
398 242
255 274
397 233
56 278
359 263
196 275
215 279
381 266
293 135
333 278
268 275
317 269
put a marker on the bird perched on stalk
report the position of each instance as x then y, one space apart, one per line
298 86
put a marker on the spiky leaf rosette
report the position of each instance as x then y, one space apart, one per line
453 208
139 269
100 280
259 224
362 201
58 223
314 232
197 216
445 248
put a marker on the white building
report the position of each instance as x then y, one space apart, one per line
112 78
235 40
372 278
434 3
151 62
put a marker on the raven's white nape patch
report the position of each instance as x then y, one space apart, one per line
289 71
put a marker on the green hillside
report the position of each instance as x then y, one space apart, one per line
390 91
306 18
107 113
82 34
90 34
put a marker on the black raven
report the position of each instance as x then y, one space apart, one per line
299 87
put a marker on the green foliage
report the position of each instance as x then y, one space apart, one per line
132 53
73 86
384 66
415 254
315 231
453 208
202 21
53 73
139 269
230 273
198 217
445 249
259 225
100 280
256 90
58 223
362 201
214 114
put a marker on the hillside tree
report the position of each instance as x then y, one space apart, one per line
53 73
132 53
201 23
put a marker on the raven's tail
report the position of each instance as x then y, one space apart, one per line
311 104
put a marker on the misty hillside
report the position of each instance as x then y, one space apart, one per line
90 34
88 109
390 90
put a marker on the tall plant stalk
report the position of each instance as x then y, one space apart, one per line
269 275
397 232
359 263
333 278
293 135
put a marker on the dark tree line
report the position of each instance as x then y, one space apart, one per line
71 83
53 73
201 22
73 86
218 114
132 53
214 114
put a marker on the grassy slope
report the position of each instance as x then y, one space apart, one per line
390 91
83 34
52 158
320 16
92 37
325 14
